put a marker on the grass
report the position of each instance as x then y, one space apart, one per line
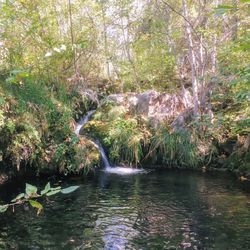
174 149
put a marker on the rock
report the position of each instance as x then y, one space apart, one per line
3 178
155 106
186 245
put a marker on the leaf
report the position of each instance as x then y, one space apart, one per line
36 204
53 192
69 189
29 190
20 196
56 188
46 189
3 208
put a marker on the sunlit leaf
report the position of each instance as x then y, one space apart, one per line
29 190
46 189
69 189
20 196
56 188
35 204
53 192
3 208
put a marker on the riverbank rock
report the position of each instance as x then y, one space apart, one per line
3 178
155 106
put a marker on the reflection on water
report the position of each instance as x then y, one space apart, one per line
159 210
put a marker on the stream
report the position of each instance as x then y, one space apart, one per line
123 208
157 210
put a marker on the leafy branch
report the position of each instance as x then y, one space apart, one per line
31 194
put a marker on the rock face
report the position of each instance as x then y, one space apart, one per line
156 107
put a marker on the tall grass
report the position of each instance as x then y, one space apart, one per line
125 139
174 149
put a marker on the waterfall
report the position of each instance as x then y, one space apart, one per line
103 155
79 125
83 121
107 165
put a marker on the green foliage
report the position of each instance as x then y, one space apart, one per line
31 194
174 149
36 126
238 161
235 67
75 156
130 140
125 140
154 64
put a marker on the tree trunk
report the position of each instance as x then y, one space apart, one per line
106 52
192 59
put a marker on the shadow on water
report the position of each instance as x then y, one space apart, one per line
159 210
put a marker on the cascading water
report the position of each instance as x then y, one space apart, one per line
83 121
103 155
79 125
107 166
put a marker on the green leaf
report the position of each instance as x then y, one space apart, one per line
245 1
69 189
36 204
29 190
46 189
20 196
56 188
53 192
3 208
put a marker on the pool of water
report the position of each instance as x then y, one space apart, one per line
155 210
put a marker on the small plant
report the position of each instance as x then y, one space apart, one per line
31 195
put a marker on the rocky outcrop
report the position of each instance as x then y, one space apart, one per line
155 106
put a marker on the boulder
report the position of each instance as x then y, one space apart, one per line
155 106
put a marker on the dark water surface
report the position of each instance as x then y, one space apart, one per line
158 210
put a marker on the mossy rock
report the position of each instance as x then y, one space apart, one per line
96 129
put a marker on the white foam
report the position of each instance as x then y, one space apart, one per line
124 170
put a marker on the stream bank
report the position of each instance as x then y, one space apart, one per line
136 129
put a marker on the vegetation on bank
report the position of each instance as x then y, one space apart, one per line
37 127
56 64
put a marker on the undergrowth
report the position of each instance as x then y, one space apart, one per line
36 127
